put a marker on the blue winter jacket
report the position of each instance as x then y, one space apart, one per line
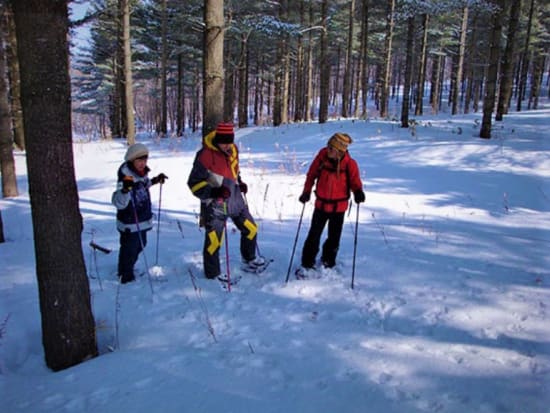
139 210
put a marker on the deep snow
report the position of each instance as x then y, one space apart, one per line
449 312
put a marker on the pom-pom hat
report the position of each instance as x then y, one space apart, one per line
224 133
135 151
340 141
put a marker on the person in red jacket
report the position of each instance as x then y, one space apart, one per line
335 175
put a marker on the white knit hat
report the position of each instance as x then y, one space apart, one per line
137 150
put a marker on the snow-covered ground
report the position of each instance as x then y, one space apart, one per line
449 312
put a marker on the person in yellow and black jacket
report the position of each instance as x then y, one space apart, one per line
335 175
216 181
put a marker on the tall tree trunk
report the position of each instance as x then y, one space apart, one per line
7 162
507 69
163 73
14 79
180 110
536 80
324 81
68 332
300 72
492 72
386 65
525 59
460 63
363 65
346 93
422 67
309 87
408 73
128 82
2 239
213 65
243 82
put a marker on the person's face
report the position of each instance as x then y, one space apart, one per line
334 153
225 147
140 164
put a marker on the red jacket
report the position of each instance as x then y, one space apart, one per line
334 180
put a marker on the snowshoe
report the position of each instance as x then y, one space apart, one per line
257 265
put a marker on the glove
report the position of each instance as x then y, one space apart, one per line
159 179
222 192
304 197
127 184
359 196
243 187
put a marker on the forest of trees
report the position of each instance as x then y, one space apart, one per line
165 66
291 61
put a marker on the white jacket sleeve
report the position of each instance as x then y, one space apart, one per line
119 199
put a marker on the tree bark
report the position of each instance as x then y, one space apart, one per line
386 65
492 72
14 80
68 332
163 129
7 162
525 59
128 83
422 67
213 77
346 93
408 73
324 87
507 69
460 63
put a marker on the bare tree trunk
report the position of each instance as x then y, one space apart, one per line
7 162
536 81
300 72
525 59
492 73
14 79
128 83
309 87
243 82
385 74
362 75
507 69
324 80
460 63
68 330
408 73
180 111
2 239
213 65
422 67
163 129
346 93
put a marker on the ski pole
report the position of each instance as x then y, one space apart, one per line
158 226
226 247
141 243
295 241
355 246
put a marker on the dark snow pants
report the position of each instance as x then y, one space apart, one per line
214 224
130 247
332 243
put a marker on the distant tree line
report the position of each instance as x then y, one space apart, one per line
291 61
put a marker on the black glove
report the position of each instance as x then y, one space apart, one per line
304 197
159 179
222 192
359 196
127 184
243 187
